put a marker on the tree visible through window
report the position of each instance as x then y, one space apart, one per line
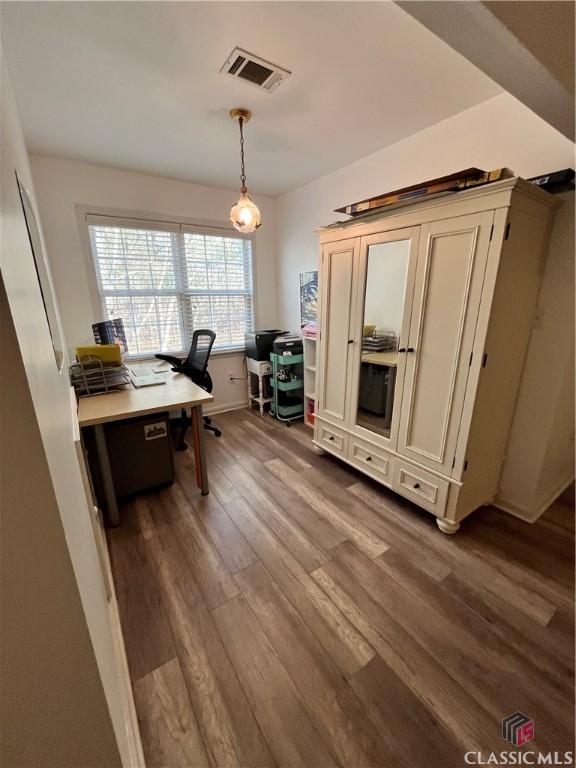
165 281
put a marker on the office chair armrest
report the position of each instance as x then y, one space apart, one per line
176 361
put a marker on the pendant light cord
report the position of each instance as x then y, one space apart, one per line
243 170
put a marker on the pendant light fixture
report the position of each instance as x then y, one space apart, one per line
244 215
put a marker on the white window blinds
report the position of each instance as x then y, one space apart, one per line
166 280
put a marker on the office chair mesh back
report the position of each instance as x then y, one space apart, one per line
195 366
202 341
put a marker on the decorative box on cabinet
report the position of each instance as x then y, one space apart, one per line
449 286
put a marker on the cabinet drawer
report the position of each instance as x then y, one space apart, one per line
421 487
259 367
331 438
375 461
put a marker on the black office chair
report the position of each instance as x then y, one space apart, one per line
195 366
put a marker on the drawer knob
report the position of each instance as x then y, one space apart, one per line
416 485
368 458
331 437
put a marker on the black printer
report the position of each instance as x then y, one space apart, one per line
288 344
258 344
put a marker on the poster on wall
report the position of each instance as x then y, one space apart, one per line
42 274
308 297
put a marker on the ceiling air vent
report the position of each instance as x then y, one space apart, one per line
253 70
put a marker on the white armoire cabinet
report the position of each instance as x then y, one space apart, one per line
425 317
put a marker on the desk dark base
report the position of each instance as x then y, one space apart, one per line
113 515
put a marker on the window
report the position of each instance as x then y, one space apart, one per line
165 280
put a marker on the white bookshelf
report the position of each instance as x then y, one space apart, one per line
309 380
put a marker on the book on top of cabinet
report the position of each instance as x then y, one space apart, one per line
454 182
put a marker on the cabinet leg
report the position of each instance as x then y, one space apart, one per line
447 526
319 451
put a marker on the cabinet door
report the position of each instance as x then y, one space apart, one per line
451 264
386 274
337 268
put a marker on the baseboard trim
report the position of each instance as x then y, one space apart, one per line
531 516
215 408
135 754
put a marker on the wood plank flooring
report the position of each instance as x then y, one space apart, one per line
302 615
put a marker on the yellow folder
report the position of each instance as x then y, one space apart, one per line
108 353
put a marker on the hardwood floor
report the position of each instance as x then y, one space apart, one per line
302 615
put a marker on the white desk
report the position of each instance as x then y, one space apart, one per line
178 392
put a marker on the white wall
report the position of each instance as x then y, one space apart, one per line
499 132
63 185
61 692
544 436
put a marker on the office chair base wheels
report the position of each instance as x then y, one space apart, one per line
207 420
218 433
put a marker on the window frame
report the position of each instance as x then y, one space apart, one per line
113 217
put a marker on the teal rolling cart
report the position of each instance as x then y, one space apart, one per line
287 391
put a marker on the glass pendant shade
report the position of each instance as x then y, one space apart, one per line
245 215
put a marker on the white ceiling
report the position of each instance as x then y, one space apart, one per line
136 85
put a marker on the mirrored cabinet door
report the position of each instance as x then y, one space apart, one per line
385 315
